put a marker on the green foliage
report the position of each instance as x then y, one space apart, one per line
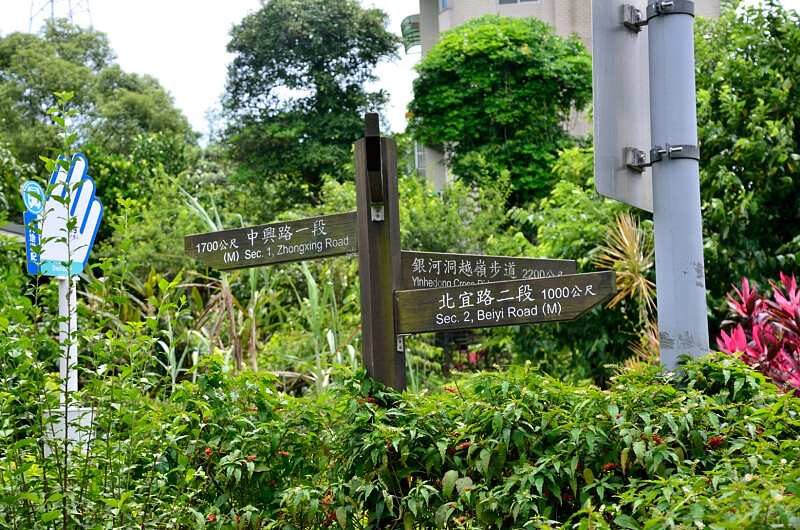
113 106
572 222
747 98
460 218
497 92
296 90
512 449
12 174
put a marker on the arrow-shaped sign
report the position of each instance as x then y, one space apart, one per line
434 269
255 246
504 303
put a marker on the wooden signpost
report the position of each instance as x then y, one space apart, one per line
405 292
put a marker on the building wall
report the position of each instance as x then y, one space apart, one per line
567 16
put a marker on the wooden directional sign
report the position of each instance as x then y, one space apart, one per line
254 246
433 269
406 292
505 303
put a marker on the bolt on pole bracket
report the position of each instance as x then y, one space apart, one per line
673 7
632 18
636 159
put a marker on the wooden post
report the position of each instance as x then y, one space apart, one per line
379 254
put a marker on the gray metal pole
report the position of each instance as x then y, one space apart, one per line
680 272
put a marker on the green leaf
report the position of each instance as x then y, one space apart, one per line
626 521
588 475
638 449
341 516
448 483
50 516
462 484
442 515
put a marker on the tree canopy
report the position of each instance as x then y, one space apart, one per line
113 106
500 90
297 86
748 101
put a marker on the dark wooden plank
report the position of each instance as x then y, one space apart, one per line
435 269
505 303
282 242
379 257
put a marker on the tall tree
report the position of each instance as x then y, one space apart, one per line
113 106
297 86
748 102
499 91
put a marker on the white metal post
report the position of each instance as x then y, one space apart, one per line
67 327
680 270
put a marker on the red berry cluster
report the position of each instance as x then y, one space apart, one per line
610 466
451 389
208 452
250 458
283 453
716 441
331 515
656 438
464 445
212 518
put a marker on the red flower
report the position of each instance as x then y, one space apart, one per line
212 518
208 452
250 458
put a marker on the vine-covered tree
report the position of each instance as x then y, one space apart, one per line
499 91
297 86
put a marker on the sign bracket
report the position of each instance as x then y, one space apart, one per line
635 158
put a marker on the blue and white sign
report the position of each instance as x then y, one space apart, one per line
33 196
62 251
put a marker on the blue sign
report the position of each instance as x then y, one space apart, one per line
51 247
33 196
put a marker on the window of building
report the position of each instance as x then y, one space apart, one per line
444 4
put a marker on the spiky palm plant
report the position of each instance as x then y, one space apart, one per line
628 250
